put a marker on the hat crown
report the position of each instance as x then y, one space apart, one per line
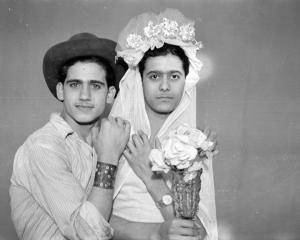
81 36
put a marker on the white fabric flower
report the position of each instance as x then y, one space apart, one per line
187 32
169 28
152 30
134 41
129 59
158 161
178 152
155 43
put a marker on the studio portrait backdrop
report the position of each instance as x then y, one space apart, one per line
250 95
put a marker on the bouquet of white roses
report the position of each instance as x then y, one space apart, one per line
178 153
179 150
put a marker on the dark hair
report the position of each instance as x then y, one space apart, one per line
110 75
163 51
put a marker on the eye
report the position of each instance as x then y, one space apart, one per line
154 76
74 84
175 76
96 85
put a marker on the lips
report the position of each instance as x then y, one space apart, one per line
164 98
84 106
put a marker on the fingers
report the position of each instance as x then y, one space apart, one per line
131 149
127 154
127 126
180 237
137 140
184 229
184 223
207 130
144 137
215 152
211 136
121 122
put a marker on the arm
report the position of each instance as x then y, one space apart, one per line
57 191
109 144
175 229
61 195
137 155
138 159
127 230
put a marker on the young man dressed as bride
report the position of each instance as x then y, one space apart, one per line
158 94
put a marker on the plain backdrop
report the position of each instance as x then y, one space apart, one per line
250 96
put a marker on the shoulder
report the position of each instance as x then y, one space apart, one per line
45 136
40 146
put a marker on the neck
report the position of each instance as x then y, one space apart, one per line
83 131
156 121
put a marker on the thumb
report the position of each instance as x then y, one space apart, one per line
94 133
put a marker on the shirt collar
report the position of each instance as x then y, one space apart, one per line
61 125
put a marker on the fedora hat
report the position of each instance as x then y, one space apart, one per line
79 45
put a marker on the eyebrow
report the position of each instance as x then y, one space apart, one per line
98 82
172 71
90 81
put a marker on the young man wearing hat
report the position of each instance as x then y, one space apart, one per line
63 175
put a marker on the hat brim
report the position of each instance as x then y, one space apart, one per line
59 54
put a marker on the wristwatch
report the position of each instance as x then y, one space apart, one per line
165 200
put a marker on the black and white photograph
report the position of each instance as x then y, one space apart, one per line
150 119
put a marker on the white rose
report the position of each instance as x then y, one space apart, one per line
206 145
178 152
196 137
157 159
179 163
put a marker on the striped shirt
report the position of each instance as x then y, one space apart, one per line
52 177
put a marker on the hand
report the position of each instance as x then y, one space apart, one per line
179 229
211 136
200 229
137 155
111 140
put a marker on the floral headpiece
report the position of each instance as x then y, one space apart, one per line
149 31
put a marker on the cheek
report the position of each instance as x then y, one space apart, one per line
148 90
100 99
179 89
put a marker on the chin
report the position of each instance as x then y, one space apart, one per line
165 111
85 120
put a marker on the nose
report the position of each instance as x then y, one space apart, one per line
164 84
85 92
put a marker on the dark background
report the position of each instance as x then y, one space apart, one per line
251 97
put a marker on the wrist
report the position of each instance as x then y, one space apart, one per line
155 236
109 158
105 175
154 184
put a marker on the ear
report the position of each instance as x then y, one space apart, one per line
60 91
110 95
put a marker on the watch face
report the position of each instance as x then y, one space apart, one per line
167 199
